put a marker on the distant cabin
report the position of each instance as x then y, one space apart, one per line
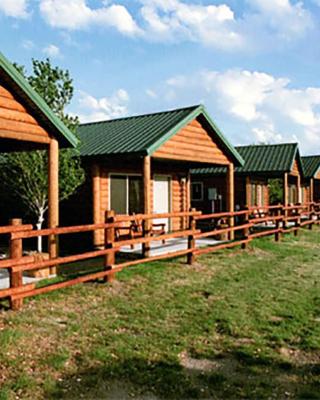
261 164
311 181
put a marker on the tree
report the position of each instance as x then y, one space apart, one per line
26 174
275 191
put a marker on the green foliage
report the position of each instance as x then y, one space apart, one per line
275 191
25 175
238 324
55 86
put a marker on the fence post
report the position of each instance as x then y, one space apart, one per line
279 221
298 222
16 279
146 227
191 239
109 239
311 215
246 231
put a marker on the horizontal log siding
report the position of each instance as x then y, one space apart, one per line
16 122
177 201
295 169
192 143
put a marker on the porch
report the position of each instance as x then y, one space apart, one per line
158 248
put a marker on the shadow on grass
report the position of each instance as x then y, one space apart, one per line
245 377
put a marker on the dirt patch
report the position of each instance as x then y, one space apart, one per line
226 365
299 357
244 341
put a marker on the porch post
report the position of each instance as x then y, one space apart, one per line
299 188
230 195
248 191
285 189
147 199
95 173
53 196
311 190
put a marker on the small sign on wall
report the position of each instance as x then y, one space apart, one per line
212 194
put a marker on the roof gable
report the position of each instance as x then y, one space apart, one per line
194 142
31 99
260 159
311 165
144 134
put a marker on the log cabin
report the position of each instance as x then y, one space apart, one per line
142 164
311 180
27 123
261 164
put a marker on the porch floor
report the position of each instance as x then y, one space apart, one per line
4 279
157 248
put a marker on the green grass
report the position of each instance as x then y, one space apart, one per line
238 324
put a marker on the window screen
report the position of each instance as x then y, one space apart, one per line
135 195
118 195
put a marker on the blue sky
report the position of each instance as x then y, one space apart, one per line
253 63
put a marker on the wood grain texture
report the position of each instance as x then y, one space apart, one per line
16 122
193 143
295 169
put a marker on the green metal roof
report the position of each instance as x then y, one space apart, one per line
35 102
259 159
311 165
144 134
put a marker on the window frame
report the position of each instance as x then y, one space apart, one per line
201 191
127 175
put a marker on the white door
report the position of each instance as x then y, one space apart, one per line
162 198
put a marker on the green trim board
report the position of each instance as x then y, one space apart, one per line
311 165
34 101
144 134
273 159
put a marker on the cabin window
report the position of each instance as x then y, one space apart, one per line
197 191
126 194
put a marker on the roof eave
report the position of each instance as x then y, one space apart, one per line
38 102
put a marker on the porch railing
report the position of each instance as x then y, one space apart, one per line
230 228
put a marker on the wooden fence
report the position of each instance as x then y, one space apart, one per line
232 229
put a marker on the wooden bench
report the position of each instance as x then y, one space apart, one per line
134 229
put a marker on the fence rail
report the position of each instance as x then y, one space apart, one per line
231 228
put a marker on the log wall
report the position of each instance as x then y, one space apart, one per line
193 143
16 122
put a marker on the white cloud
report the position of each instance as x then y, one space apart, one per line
52 51
76 14
14 8
219 27
282 16
151 93
262 24
266 108
98 109
28 44
243 92
266 134
212 25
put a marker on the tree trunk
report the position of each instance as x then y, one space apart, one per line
39 226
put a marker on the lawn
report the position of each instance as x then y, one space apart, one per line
237 324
